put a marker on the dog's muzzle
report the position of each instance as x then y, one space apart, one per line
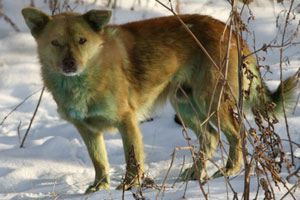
69 67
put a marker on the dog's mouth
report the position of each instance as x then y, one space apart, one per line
69 71
75 73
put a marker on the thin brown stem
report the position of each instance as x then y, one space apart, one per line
15 108
281 80
169 170
33 116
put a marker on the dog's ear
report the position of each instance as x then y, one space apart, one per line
97 19
35 19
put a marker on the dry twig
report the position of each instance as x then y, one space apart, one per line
281 79
169 170
17 106
33 116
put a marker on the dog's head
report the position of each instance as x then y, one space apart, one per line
67 42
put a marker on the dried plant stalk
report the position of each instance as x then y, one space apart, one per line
33 116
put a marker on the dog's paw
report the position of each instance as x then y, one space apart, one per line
130 186
95 188
191 174
225 171
219 173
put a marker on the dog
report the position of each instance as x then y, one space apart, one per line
112 76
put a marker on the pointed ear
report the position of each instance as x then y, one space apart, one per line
97 19
35 19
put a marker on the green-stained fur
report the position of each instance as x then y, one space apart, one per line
288 92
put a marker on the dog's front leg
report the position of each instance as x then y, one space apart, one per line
133 150
96 148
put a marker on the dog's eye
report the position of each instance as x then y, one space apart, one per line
55 43
82 41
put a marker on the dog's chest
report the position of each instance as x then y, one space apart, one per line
84 107
79 101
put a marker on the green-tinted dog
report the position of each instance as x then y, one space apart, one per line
108 76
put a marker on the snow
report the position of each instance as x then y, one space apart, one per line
55 164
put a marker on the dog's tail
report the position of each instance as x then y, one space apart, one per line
289 90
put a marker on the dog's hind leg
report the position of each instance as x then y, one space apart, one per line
231 128
191 116
96 148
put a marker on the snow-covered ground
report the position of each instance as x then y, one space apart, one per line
55 164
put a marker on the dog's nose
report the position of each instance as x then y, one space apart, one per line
69 65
